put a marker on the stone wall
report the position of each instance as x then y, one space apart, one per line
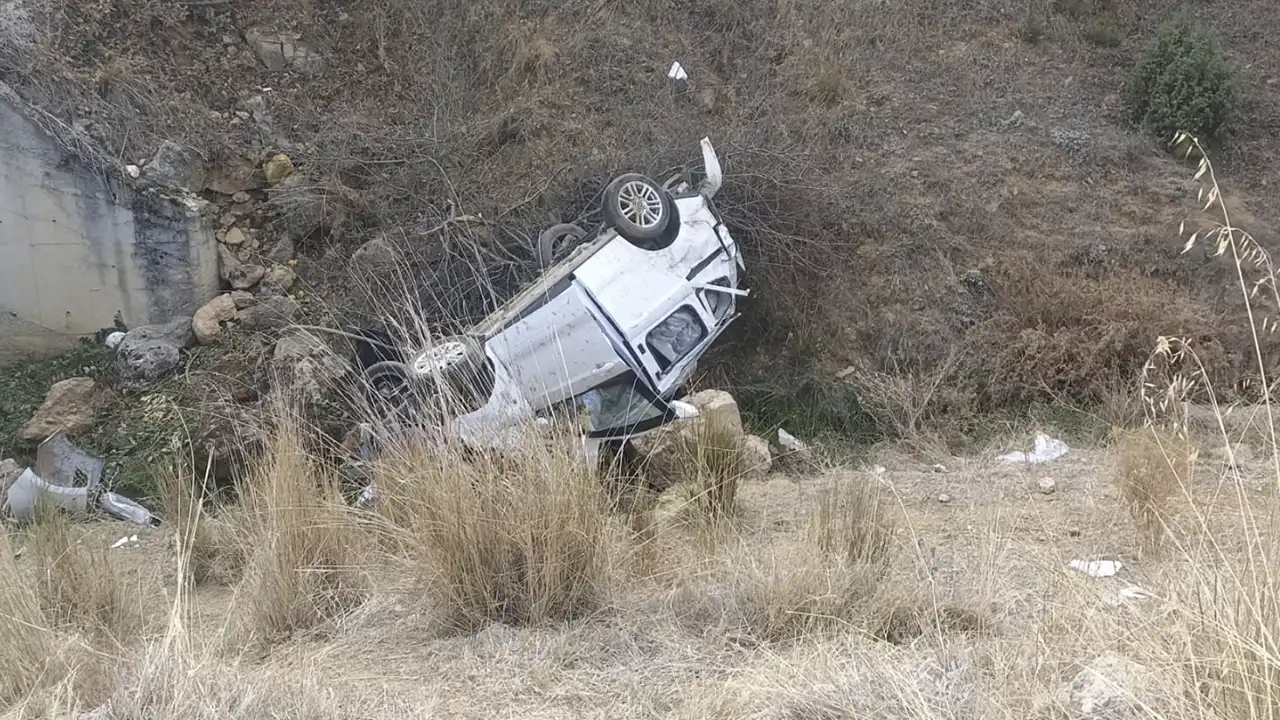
80 249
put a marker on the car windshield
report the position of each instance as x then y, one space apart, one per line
620 405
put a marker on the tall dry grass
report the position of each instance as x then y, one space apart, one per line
79 584
522 537
26 643
306 560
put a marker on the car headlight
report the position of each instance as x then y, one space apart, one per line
674 338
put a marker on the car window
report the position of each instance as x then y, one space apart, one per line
676 336
620 404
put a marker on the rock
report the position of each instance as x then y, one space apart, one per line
277 168
241 197
209 320
1107 689
305 368
944 498
278 279
176 166
1047 486
281 249
9 471
113 340
243 299
280 52
273 313
150 351
234 237
245 275
718 407
232 175
757 455
70 405
228 437
374 258
792 448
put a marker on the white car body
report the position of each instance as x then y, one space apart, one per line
593 328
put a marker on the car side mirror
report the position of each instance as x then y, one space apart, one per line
711 164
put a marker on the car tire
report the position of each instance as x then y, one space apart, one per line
638 208
557 241
461 366
390 385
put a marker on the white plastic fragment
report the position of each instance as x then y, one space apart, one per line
113 340
134 171
126 540
677 72
684 409
1046 449
1096 568
1132 593
790 442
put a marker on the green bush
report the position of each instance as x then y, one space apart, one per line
1182 83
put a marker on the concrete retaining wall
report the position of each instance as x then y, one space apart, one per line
79 250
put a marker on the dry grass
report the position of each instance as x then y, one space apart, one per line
306 559
78 584
213 549
521 538
1153 470
715 464
26 643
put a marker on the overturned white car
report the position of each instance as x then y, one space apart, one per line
615 325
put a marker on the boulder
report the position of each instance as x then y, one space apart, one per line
234 237
278 279
719 407
176 166
374 258
273 313
150 351
666 454
306 369
70 405
209 320
245 275
1109 688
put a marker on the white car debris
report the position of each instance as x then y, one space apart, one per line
71 479
615 325
1096 568
1046 449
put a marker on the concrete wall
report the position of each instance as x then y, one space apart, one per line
79 250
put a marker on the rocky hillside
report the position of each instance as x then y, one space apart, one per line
950 198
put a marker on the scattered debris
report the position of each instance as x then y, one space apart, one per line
70 405
944 498
71 479
1124 595
1047 486
939 468
126 540
791 444
133 171
1046 449
1097 568
846 373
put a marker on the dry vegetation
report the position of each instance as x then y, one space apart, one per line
486 586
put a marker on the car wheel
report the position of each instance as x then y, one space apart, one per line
557 241
389 385
458 364
638 208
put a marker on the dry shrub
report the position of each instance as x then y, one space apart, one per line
1068 337
909 405
78 584
213 549
831 580
1153 467
716 463
305 563
26 645
521 537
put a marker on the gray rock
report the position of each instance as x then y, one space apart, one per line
374 258
176 166
280 52
1047 486
307 369
243 299
281 249
70 405
245 275
279 279
272 313
757 455
150 351
1107 689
